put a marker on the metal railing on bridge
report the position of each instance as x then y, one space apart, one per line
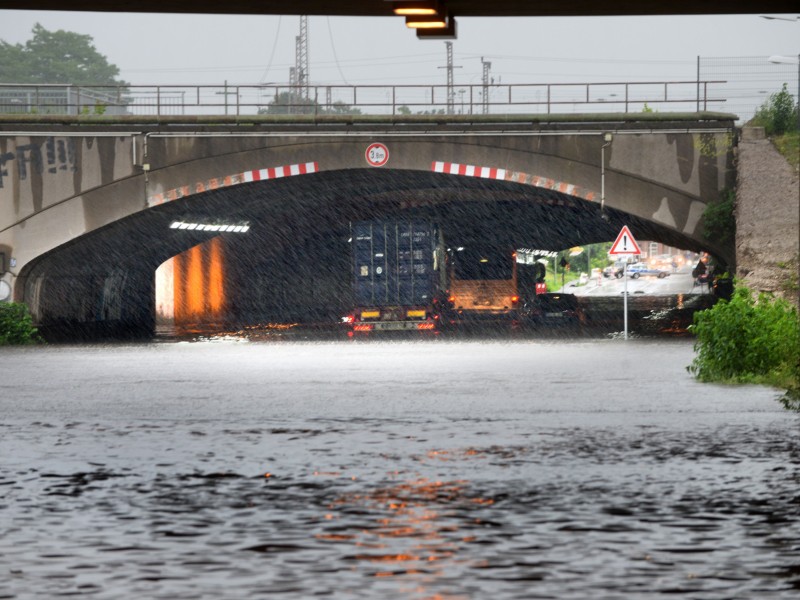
273 99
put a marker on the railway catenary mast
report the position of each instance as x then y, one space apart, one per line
301 57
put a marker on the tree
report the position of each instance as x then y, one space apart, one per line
56 57
290 103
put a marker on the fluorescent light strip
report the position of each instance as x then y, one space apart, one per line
426 22
209 227
448 33
421 7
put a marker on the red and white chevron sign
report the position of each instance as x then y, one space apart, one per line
468 170
515 176
235 179
284 171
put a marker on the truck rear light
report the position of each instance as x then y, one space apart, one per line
514 299
348 319
363 327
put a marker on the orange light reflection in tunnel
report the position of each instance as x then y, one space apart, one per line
216 287
194 294
191 286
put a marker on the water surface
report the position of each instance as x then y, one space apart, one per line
475 469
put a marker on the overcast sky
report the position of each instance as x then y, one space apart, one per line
204 49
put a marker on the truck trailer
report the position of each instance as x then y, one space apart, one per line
399 277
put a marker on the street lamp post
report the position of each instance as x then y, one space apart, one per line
607 137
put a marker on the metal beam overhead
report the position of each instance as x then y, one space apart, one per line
383 8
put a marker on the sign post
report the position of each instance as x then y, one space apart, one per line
625 245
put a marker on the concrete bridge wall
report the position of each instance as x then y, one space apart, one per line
56 187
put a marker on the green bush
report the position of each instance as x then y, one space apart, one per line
16 325
720 220
777 115
747 340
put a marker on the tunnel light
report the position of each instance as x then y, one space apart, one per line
211 227
420 7
426 22
449 32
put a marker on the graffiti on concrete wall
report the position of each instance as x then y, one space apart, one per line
51 156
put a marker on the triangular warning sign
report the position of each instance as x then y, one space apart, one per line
625 243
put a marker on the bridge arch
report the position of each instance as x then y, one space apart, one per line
295 252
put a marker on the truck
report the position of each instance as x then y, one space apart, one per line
400 280
483 282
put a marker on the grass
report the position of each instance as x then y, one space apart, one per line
788 145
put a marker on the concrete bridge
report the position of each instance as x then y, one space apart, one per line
91 206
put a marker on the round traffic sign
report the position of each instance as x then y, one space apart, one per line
377 155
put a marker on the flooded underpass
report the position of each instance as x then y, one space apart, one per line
665 316
511 468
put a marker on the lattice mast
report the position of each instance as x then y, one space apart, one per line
301 57
485 80
451 93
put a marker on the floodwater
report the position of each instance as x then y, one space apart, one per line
439 469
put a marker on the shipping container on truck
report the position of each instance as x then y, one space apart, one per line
399 277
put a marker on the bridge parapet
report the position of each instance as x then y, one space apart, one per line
519 98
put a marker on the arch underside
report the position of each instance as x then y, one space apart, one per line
298 238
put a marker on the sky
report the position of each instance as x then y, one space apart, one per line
207 49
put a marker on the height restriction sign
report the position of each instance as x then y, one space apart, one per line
625 244
377 155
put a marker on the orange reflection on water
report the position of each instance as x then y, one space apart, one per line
413 528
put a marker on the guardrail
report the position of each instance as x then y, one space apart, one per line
167 100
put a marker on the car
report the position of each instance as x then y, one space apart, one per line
636 270
553 308
615 270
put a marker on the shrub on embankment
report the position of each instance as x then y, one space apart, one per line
779 117
749 340
16 325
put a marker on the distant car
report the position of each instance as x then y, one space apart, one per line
638 269
553 309
613 271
